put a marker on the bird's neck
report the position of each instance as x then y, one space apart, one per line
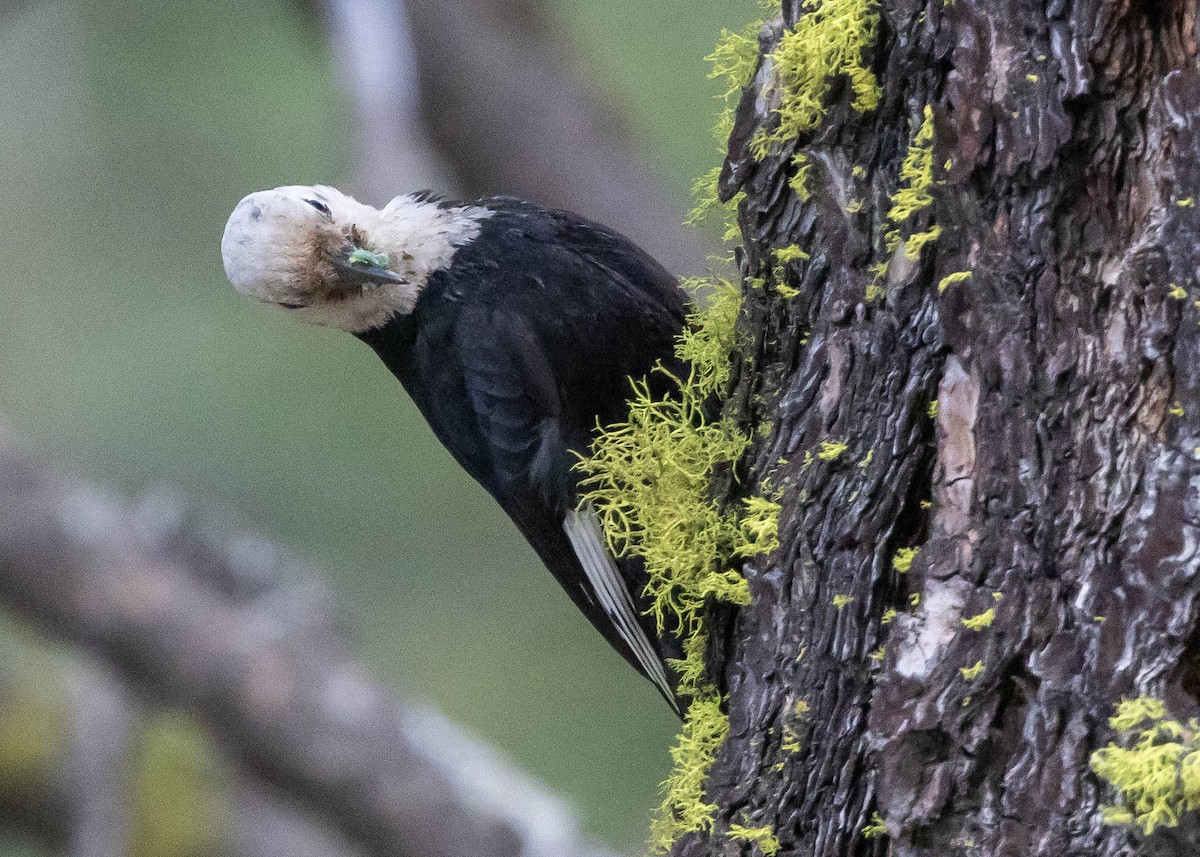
421 235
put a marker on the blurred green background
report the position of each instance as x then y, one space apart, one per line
127 132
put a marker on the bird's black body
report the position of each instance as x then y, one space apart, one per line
517 350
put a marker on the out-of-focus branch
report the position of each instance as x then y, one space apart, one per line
184 615
372 46
77 751
509 109
101 720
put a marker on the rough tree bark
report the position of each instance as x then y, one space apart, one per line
1056 479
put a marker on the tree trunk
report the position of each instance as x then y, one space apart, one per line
1019 403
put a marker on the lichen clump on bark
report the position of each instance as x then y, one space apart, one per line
915 191
828 41
649 481
649 478
1154 766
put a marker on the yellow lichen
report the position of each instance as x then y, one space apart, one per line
879 654
791 253
932 410
648 480
684 808
875 828
952 279
707 201
763 837
889 616
799 180
914 192
829 41
832 449
840 601
1154 765
1177 291
983 620
972 672
733 62
903 559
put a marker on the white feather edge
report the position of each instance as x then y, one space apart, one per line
583 531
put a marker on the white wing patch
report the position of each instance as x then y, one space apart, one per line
583 531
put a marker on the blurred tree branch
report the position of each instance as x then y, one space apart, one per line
79 754
504 99
215 622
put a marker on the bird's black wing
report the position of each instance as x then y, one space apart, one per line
514 354
518 424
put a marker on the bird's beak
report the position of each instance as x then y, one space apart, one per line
366 268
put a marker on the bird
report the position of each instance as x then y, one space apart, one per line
514 328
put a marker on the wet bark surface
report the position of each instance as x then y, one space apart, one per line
1056 481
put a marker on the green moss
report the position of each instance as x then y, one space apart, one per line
763 837
178 791
828 42
1154 765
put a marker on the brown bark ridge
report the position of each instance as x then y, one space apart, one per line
1057 480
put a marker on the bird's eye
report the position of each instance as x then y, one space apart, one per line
319 206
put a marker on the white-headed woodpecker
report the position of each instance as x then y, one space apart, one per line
514 328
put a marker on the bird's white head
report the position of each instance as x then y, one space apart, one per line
332 260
